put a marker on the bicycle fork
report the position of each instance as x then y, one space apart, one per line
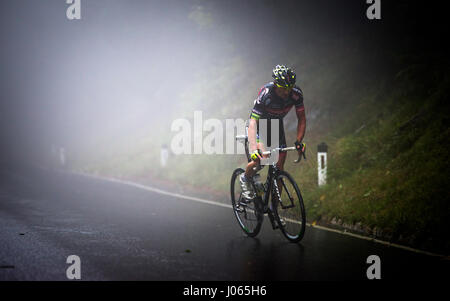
278 194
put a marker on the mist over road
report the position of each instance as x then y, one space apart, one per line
126 233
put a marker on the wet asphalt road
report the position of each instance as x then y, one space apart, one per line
126 233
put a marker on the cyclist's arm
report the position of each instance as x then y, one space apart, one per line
252 134
301 124
258 108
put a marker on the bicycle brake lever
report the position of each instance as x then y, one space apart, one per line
300 157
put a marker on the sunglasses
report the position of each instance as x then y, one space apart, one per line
285 87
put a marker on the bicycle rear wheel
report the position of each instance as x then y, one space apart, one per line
248 213
289 210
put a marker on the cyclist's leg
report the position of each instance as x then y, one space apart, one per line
280 165
282 155
282 143
281 160
250 170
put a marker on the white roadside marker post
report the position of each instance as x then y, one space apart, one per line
322 150
62 156
164 155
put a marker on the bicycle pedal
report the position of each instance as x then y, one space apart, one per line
239 209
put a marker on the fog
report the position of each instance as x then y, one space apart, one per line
119 71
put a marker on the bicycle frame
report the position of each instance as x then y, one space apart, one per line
275 186
269 185
271 175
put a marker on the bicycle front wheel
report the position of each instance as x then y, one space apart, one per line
247 212
289 209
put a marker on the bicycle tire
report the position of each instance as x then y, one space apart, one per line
298 236
253 231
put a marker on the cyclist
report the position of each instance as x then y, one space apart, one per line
274 101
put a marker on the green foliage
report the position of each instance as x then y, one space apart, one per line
392 174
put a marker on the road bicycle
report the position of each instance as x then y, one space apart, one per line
279 197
